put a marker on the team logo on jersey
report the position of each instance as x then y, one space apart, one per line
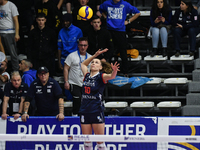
82 119
50 86
121 6
39 91
48 90
99 118
11 91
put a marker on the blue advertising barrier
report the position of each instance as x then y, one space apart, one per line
113 126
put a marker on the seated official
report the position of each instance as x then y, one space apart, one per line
14 95
47 94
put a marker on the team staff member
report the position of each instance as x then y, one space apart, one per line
48 96
92 108
14 95
73 75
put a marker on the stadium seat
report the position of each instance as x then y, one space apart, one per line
169 106
115 108
146 106
155 80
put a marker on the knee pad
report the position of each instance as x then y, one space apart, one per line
101 146
88 146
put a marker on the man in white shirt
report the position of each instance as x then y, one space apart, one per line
9 29
73 75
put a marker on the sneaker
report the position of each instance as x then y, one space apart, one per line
177 54
191 53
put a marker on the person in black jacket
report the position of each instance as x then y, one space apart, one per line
42 45
185 23
53 18
100 38
84 25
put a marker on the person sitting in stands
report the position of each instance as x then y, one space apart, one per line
161 15
185 22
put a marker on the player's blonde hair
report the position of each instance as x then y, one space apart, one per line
106 67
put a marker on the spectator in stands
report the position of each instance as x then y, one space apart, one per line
116 24
161 15
196 5
58 4
185 23
73 75
94 4
92 107
9 32
51 12
29 75
4 78
25 21
14 95
42 45
84 25
100 38
67 39
48 96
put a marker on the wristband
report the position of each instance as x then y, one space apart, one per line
66 81
25 112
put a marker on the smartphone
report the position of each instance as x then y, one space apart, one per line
159 17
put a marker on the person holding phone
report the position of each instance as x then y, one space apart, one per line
160 17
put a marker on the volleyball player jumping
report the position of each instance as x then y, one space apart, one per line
92 107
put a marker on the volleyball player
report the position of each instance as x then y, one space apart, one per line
92 108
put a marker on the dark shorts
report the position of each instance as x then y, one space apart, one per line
92 118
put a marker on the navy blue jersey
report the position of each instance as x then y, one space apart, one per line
46 97
92 92
15 94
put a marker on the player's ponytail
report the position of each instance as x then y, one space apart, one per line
106 67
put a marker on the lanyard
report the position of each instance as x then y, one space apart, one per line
80 58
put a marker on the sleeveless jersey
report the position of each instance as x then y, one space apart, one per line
92 91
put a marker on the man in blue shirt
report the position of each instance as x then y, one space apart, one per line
29 75
117 11
48 96
67 39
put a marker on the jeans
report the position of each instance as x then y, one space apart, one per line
191 32
155 36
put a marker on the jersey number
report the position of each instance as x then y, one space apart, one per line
87 90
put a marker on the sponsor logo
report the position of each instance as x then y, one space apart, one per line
50 86
48 90
134 138
191 139
81 138
99 118
70 137
38 86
